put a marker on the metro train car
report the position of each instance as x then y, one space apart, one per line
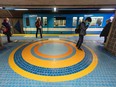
65 23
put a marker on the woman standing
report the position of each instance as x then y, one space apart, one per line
38 25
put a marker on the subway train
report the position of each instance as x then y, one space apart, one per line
65 23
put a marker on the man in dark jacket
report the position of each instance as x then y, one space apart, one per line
83 27
106 30
7 31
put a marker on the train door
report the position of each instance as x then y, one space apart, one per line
39 18
30 24
44 25
80 20
36 20
27 25
74 24
33 19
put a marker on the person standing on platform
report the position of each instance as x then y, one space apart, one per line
38 25
83 27
7 29
106 30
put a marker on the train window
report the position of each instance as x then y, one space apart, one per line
44 21
39 18
96 21
80 20
59 21
111 18
74 21
27 21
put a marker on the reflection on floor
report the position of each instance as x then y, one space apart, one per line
54 61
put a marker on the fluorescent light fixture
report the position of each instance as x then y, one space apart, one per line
55 9
107 9
1 7
21 9
78 9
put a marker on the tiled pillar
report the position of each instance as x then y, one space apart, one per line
0 41
111 41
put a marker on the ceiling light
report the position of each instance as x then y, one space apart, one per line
21 9
55 9
107 9
1 7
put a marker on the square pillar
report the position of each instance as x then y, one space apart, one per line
111 41
1 42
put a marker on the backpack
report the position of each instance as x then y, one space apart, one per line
78 29
4 29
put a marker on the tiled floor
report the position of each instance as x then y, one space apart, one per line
104 75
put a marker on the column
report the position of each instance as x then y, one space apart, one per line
0 41
111 41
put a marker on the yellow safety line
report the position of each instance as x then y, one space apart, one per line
29 35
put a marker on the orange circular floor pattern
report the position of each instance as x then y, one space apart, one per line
27 56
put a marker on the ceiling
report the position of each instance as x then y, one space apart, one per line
46 6
57 3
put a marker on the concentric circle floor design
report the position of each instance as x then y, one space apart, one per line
52 60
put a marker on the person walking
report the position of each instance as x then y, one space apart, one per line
38 25
83 27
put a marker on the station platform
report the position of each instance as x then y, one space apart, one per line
54 61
